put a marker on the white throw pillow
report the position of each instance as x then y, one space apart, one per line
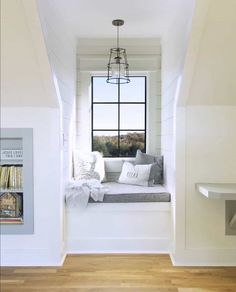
99 165
89 166
84 167
135 174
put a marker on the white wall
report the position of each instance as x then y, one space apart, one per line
30 100
144 57
174 45
61 49
45 245
205 136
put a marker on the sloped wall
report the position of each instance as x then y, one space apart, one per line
173 50
205 136
61 50
174 46
24 62
29 100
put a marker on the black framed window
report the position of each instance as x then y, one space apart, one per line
118 116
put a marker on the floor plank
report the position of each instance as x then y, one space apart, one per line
131 273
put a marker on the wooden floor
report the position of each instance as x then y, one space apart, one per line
136 273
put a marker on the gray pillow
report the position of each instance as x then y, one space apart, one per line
156 172
143 158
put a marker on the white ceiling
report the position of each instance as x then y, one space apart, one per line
143 18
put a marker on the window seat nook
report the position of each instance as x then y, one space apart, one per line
130 219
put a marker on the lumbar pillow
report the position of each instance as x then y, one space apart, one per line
156 172
135 174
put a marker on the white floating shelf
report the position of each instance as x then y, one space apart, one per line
225 191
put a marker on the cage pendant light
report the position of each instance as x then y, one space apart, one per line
118 67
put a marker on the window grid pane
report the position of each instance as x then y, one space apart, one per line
132 116
133 91
102 91
130 142
106 142
103 113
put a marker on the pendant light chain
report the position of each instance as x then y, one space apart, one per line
118 37
117 45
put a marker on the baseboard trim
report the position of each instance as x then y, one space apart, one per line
63 260
45 257
118 245
30 257
204 258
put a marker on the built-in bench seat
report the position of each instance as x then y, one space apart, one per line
138 222
124 193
